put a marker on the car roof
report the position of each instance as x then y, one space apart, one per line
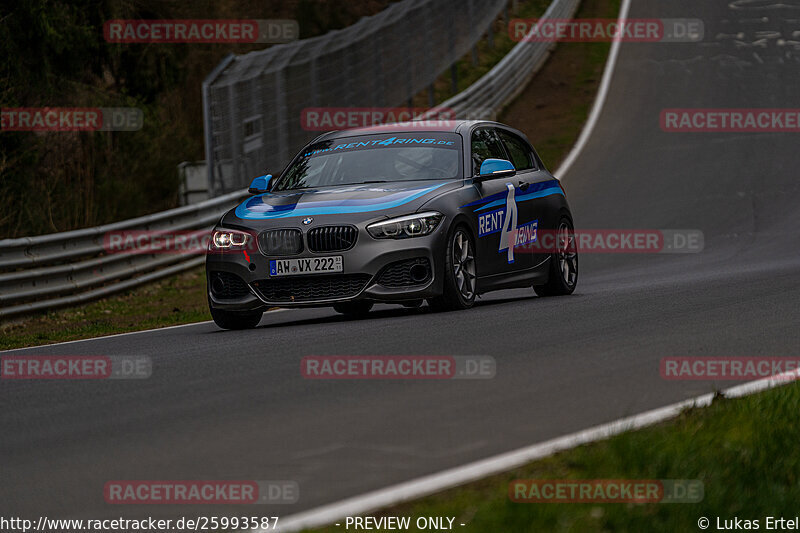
452 126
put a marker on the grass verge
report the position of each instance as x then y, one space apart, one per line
555 105
469 68
741 449
179 299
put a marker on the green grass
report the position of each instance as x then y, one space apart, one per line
180 299
743 450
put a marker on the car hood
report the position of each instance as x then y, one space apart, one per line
370 198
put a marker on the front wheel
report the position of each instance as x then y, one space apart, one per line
460 274
563 275
236 319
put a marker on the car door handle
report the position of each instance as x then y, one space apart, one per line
524 185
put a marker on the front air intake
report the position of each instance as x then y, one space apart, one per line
227 286
311 288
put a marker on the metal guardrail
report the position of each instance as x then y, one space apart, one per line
62 269
510 76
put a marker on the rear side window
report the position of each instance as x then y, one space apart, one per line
518 149
485 145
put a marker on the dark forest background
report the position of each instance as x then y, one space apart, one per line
53 53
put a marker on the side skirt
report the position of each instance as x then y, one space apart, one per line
536 275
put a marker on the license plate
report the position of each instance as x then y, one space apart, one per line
305 265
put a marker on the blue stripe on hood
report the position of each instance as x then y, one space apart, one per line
256 209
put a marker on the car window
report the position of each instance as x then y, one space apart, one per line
408 156
518 149
485 145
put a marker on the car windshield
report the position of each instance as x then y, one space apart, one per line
375 159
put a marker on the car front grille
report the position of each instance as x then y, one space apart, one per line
311 288
227 286
332 238
406 273
280 242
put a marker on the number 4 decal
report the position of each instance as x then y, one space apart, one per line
509 233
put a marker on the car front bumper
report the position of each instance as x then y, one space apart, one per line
365 265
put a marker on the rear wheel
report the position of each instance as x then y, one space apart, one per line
236 319
359 308
563 263
460 274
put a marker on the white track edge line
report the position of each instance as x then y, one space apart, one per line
447 479
599 101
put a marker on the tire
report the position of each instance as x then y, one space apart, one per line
460 273
236 319
355 309
563 275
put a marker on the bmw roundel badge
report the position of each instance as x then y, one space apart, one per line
308 220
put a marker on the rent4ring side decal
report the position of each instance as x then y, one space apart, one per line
504 220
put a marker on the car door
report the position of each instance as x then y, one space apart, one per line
496 213
531 183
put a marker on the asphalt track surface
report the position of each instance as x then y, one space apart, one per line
233 405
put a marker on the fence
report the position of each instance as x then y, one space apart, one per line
252 103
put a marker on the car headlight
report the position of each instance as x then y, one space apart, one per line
405 227
228 239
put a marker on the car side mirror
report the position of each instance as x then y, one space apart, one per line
496 168
259 184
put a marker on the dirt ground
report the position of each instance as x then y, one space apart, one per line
554 106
